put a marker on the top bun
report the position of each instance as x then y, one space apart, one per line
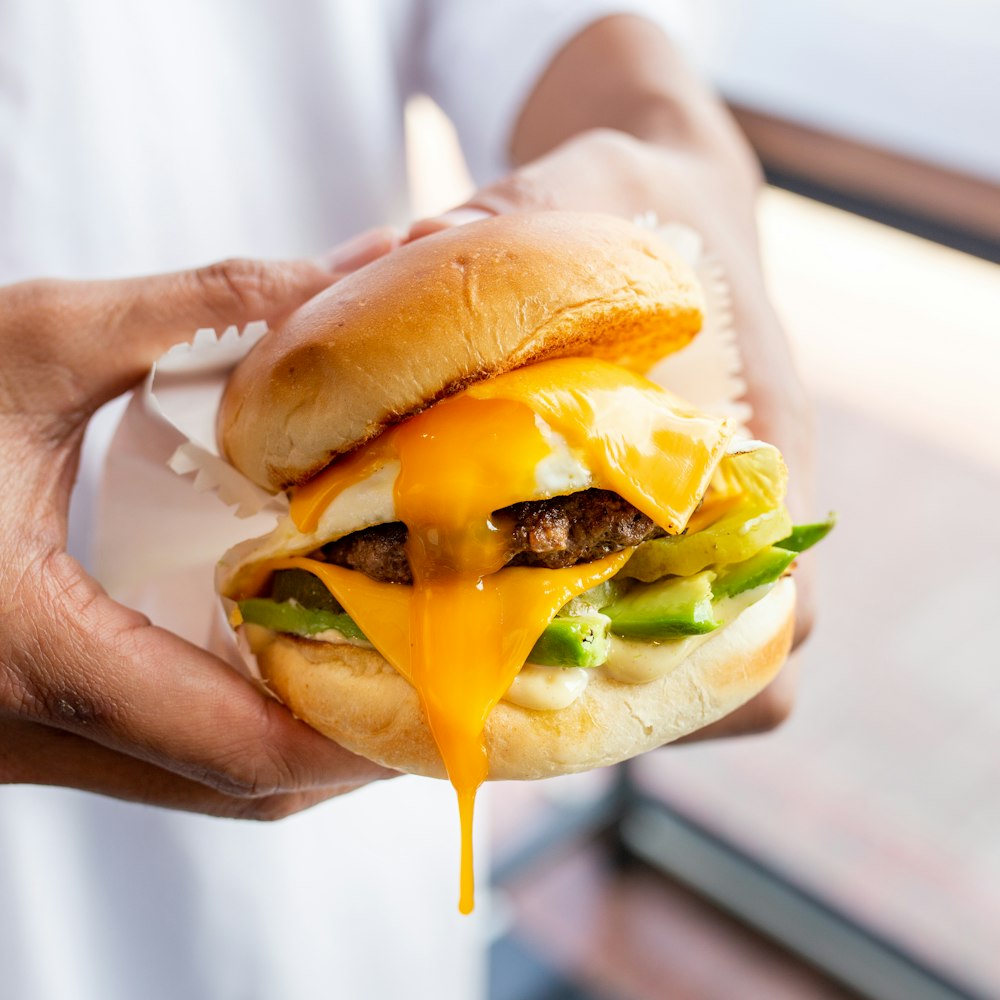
442 313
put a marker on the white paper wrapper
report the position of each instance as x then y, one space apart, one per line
708 371
168 500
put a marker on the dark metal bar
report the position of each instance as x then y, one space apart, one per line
889 215
798 921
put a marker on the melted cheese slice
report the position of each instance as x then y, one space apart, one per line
460 644
461 633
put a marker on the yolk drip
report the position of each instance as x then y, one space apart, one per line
471 660
462 632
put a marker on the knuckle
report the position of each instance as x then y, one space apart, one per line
237 286
611 140
273 808
519 191
40 386
15 696
38 303
608 148
259 769
50 664
238 773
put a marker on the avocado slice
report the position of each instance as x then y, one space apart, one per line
290 616
670 607
304 588
765 567
579 641
805 536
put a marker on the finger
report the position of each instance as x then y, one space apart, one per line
805 608
783 417
573 176
46 756
76 344
91 667
360 250
149 315
460 216
765 711
154 313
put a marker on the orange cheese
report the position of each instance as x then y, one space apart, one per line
638 439
463 630
461 646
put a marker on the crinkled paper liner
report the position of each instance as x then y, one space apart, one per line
156 537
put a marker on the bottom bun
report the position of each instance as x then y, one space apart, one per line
351 694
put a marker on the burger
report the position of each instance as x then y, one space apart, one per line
508 553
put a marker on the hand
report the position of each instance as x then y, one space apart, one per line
604 170
92 695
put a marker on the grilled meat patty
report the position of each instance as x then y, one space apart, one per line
557 532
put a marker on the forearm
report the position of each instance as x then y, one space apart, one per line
624 74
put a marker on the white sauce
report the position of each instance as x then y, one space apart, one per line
547 689
336 638
633 661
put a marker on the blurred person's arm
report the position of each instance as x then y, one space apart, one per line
619 123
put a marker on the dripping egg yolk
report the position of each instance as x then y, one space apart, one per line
463 630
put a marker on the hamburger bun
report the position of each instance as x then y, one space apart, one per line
351 694
438 315
442 313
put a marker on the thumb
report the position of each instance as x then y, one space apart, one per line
148 315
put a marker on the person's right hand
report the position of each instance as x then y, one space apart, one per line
92 695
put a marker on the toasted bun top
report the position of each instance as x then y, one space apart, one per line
442 313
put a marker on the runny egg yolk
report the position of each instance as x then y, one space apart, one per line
462 632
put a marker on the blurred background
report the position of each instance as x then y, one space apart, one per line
855 851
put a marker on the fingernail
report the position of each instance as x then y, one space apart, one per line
447 220
463 216
360 250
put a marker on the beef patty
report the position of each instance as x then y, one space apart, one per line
558 532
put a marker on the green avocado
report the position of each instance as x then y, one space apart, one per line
665 609
290 616
580 641
805 536
764 567
577 641
304 588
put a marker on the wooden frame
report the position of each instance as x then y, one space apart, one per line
929 192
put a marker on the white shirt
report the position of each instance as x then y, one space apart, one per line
138 137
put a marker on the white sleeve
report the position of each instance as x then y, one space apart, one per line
480 60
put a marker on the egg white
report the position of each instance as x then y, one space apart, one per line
370 501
